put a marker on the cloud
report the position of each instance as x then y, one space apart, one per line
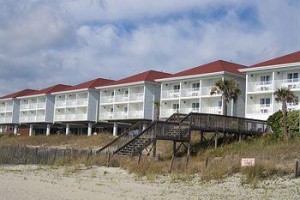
48 42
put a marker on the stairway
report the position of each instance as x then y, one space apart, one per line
135 147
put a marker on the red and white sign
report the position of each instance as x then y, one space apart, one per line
248 162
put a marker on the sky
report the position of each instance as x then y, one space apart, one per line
43 43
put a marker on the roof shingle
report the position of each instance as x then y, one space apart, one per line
19 94
216 66
289 58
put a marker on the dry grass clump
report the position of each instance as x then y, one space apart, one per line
70 141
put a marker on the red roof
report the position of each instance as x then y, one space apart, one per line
216 66
54 88
19 94
148 76
90 84
290 58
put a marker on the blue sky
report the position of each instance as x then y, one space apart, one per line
44 42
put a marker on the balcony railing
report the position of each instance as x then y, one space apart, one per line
107 99
190 92
170 94
259 109
24 106
41 105
82 102
121 115
106 115
60 117
5 119
135 114
291 83
121 98
292 106
188 110
212 110
59 104
136 96
168 112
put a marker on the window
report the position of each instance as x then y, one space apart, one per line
195 107
292 77
176 88
176 107
265 102
112 93
126 93
265 79
111 110
220 104
195 86
125 109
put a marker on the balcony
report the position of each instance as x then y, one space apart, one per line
165 113
41 105
82 102
212 110
24 107
2 109
60 117
292 106
23 119
60 104
121 98
71 103
5 119
107 99
291 83
188 110
264 86
136 114
136 96
106 115
190 92
121 115
169 94
40 118
259 109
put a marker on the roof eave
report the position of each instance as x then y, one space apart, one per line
251 69
122 85
71 91
196 76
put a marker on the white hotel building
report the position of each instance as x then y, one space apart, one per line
9 110
263 79
189 90
78 105
130 99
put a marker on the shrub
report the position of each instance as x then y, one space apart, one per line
274 121
293 122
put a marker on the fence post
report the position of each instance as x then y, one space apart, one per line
297 170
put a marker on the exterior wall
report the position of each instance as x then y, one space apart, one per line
152 94
260 88
71 106
32 109
93 105
127 102
50 101
193 95
9 111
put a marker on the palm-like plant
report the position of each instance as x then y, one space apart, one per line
285 96
229 89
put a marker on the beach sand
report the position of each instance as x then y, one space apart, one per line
21 182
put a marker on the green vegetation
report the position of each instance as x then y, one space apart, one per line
229 89
273 157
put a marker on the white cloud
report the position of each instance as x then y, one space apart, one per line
48 42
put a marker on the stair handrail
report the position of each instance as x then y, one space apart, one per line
152 125
120 136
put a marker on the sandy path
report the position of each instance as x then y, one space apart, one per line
35 182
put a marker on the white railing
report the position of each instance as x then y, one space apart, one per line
32 105
60 103
9 108
188 110
82 102
120 115
212 110
136 96
31 118
2 108
24 119
190 92
70 117
60 117
291 83
292 106
263 86
170 94
135 114
24 106
121 98
41 105
107 99
71 102
167 112
259 109
106 115
40 118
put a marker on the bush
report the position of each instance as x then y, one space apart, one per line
275 122
293 122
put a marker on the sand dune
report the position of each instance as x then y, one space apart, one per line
42 182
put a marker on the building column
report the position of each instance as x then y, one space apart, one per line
115 129
67 129
31 133
15 129
1 129
144 126
89 133
48 130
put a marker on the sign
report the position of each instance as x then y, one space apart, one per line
248 162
